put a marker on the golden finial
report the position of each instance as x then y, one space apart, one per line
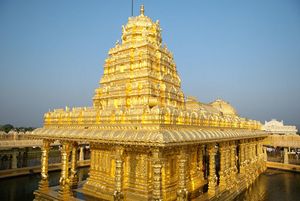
142 10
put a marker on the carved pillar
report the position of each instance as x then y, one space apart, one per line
182 193
246 151
242 156
222 149
118 193
252 161
259 155
14 161
200 161
227 165
265 157
256 155
81 154
233 160
74 176
254 149
262 157
44 184
250 156
285 155
233 157
242 152
265 154
64 182
260 148
157 166
93 159
233 182
212 170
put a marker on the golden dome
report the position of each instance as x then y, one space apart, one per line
141 28
224 107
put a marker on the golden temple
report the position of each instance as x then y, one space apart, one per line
147 140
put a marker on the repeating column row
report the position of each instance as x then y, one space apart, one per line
220 163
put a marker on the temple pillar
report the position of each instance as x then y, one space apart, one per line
182 193
156 166
81 154
212 170
118 193
228 165
233 168
222 149
200 161
73 175
265 154
64 182
242 157
260 150
259 155
246 153
44 184
253 160
285 155
254 150
262 157
233 157
248 161
14 161
250 151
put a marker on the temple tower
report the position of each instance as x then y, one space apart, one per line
139 71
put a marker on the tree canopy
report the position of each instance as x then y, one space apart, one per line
8 127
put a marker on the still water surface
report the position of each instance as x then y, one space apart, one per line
273 185
22 187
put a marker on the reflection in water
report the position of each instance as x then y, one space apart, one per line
273 185
22 187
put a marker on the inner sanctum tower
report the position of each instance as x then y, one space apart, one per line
147 140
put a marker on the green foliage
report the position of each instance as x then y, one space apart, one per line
6 128
24 129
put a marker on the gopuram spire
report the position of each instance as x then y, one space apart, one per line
142 10
141 86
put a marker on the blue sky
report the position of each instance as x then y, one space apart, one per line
246 52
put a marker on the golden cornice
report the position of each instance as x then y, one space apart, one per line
148 137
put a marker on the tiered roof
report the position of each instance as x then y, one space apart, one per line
141 89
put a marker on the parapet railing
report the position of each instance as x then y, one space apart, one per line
276 140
